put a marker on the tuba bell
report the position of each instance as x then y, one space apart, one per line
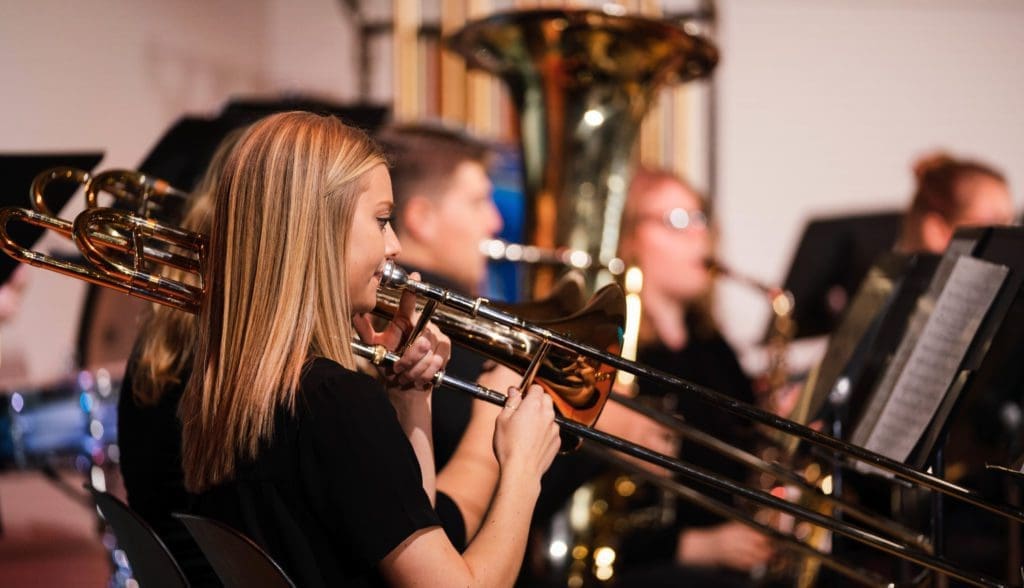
581 81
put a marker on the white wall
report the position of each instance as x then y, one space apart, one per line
824 105
113 75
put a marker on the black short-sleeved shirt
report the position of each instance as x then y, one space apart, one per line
149 437
335 489
707 361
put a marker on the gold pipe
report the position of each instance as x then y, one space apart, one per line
453 69
407 89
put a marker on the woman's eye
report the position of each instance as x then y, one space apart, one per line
384 221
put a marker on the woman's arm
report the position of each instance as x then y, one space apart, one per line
414 416
471 475
409 383
525 442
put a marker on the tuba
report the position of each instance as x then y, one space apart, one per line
581 81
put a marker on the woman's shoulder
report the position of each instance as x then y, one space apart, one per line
327 382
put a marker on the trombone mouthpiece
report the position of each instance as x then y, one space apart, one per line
393 276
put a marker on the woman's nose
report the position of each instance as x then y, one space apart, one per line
392 246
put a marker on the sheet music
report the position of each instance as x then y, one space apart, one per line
930 356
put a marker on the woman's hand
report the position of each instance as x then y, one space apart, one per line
732 545
526 435
421 360
410 380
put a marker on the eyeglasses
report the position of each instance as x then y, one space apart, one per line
680 219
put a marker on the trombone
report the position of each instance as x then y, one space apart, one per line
542 343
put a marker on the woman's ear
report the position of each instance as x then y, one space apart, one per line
935 233
419 219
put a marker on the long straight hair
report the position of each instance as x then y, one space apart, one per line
168 336
276 280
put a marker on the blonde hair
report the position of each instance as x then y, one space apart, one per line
167 337
276 284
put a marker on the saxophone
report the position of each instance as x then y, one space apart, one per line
771 382
771 386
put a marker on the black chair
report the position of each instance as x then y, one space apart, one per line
152 563
237 560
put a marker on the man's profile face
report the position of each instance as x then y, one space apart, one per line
466 216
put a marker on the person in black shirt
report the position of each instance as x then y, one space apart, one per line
443 210
666 234
149 431
281 437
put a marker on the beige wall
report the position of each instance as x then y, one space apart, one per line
112 75
824 104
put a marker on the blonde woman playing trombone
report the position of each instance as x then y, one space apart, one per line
281 437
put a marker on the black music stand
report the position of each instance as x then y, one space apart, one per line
181 155
988 377
17 170
831 260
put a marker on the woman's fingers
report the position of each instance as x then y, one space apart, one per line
512 402
364 328
419 365
422 373
440 343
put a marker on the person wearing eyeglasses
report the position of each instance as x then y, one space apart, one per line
667 234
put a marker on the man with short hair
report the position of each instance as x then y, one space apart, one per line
443 204
443 210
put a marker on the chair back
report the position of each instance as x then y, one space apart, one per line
238 561
152 563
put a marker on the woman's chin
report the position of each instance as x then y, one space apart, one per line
364 306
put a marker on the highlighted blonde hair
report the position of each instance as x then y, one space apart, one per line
277 292
168 336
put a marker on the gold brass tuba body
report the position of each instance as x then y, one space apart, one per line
581 81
